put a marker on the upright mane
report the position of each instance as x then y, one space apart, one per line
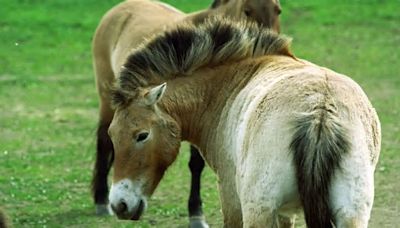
190 46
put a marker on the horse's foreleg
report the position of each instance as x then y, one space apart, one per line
196 165
104 159
105 78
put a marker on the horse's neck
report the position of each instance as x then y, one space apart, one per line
201 104
184 101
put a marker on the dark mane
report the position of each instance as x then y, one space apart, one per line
189 46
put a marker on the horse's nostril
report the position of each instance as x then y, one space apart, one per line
123 206
120 208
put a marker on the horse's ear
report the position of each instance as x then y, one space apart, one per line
155 94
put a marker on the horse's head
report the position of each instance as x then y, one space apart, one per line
265 12
146 141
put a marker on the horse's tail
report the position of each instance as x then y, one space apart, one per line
318 144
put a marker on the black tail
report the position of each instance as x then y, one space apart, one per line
318 144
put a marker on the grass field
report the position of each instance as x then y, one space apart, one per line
48 105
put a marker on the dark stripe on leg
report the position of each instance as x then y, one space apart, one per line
104 160
196 165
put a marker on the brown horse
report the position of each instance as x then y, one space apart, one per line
281 134
122 29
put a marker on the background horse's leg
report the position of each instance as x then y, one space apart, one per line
196 165
105 150
104 160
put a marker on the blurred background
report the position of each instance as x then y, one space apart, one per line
48 105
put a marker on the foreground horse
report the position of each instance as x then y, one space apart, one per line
126 26
280 133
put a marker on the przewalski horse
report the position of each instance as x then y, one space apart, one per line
123 28
281 134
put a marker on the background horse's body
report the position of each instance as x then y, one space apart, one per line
280 133
123 29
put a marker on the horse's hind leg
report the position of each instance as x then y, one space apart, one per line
196 165
352 191
266 217
273 221
255 216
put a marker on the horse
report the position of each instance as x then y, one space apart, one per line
123 28
3 219
282 134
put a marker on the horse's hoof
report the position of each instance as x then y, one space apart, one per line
103 209
198 222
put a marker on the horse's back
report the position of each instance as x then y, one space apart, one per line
127 25
287 88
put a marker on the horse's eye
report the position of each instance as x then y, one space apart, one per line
142 136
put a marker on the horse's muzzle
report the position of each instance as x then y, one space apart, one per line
122 211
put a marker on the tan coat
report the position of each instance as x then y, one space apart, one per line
281 133
122 30
131 22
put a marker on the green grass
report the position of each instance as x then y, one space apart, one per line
48 105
